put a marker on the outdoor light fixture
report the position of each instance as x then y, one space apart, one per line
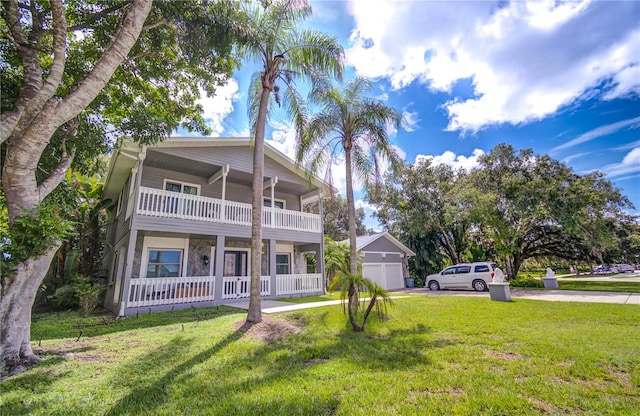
205 260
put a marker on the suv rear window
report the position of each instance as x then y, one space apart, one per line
463 269
481 268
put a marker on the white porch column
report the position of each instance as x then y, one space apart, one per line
222 173
320 261
219 266
126 279
272 266
272 184
132 202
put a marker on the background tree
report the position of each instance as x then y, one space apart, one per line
82 253
513 207
531 206
73 75
286 53
336 217
420 201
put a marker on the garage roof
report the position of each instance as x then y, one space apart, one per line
363 241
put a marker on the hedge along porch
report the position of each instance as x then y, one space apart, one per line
180 229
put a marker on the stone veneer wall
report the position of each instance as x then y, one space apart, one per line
198 248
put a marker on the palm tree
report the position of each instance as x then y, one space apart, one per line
287 54
352 125
349 285
336 258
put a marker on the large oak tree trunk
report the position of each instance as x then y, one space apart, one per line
17 296
27 132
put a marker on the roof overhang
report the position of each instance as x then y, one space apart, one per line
127 153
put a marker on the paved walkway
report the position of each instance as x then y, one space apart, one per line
273 306
545 294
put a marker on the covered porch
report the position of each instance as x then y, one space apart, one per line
193 290
166 204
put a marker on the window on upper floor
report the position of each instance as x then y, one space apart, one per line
181 187
279 203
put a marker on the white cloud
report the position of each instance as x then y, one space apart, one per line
630 164
526 60
283 138
410 120
628 146
218 107
569 158
597 133
369 221
449 158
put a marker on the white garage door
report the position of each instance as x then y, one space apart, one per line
387 275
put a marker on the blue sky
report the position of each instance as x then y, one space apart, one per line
561 78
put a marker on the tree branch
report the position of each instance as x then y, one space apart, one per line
161 22
59 172
113 56
87 24
34 94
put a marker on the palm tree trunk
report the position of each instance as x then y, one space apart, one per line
351 212
353 254
254 314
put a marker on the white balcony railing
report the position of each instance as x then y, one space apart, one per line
166 204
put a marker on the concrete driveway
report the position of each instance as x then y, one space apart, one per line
274 306
556 295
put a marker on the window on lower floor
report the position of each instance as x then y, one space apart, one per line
311 264
164 263
282 264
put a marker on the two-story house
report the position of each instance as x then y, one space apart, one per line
180 228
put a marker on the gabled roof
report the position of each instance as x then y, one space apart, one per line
126 154
363 241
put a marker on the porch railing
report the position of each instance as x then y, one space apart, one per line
290 284
167 204
170 290
238 287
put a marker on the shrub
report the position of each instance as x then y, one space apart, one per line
82 292
526 281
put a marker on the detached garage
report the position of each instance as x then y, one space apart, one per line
383 257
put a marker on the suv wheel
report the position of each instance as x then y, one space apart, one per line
479 285
433 285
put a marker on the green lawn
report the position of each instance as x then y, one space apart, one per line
632 287
434 355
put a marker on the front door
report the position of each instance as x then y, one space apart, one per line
235 265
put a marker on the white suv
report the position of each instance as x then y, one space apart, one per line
463 276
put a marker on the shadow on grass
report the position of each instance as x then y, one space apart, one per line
71 324
23 386
148 397
277 372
